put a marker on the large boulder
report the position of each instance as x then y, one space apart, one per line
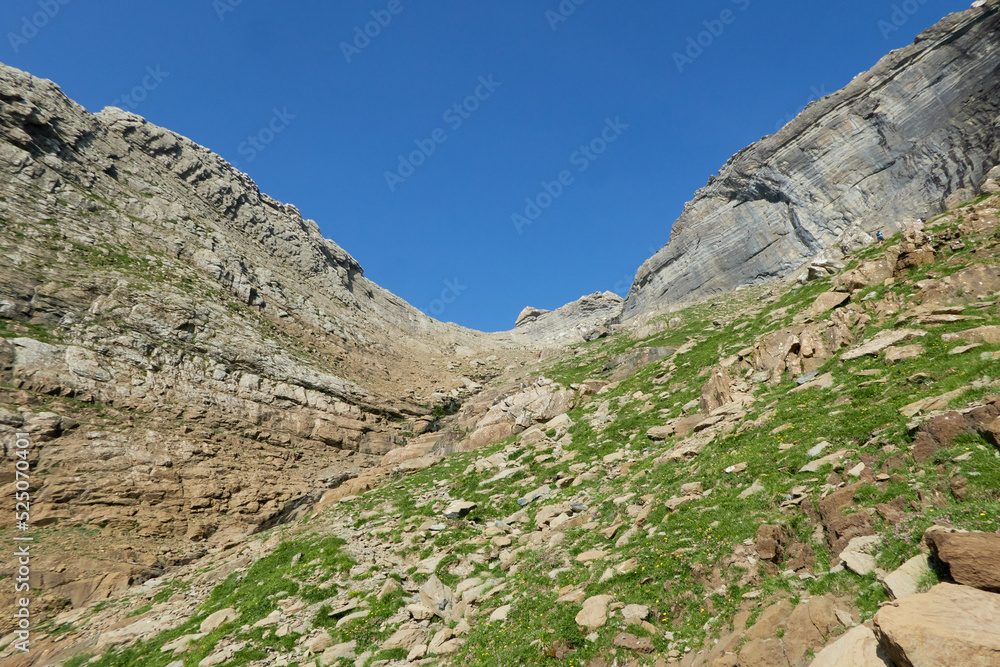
857 648
718 391
987 334
973 559
949 625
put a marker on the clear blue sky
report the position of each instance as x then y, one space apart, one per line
225 66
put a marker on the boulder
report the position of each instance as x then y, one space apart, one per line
827 301
973 559
905 580
881 341
901 353
949 625
718 391
437 597
595 612
406 637
459 509
987 334
218 619
771 541
857 648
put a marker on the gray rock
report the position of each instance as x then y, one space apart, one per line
893 145
587 318
459 509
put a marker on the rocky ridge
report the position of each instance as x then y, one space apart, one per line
248 452
914 135
801 475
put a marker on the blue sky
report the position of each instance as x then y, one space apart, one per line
578 116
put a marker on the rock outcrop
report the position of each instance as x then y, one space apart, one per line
586 318
225 363
918 131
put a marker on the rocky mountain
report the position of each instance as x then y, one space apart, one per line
794 474
245 452
217 364
913 135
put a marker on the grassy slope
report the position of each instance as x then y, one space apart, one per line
675 549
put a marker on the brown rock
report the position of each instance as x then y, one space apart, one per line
800 557
897 353
771 542
973 559
595 612
988 334
827 301
717 391
770 619
841 528
685 425
763 653
949 625
807 627
857 648
633 643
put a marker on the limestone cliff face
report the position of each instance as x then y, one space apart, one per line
193 360
918 129
114 179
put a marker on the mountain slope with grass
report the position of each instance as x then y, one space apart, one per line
245 452
773 477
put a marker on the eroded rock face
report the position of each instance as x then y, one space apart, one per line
857 648
518 411
229 363
577 321
893 145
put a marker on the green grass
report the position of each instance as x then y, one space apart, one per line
254 596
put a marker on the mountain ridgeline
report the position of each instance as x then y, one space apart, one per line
244 451
918 131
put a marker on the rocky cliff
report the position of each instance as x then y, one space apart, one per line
583 319
193 360
918 130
